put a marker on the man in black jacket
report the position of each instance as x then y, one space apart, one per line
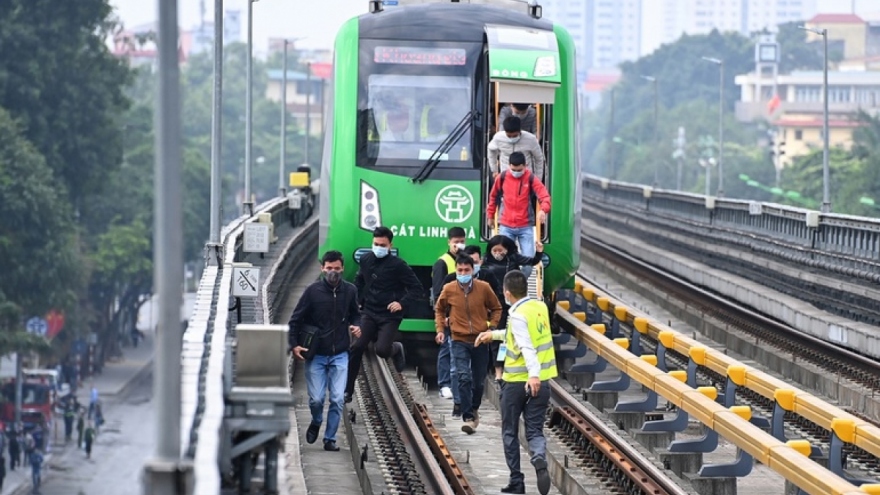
386 285
319 326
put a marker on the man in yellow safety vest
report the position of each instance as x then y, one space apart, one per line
529 361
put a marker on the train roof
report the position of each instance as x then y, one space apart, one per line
443 22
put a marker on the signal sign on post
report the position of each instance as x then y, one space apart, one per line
37 326
245 281
256 237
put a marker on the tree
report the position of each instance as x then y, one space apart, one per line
795 53
36 237
59 80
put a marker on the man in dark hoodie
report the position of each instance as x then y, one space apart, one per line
387 287
325 314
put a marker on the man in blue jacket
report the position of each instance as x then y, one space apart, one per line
319 326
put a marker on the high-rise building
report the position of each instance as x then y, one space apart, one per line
615 26
572 15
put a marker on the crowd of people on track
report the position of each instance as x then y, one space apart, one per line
484 318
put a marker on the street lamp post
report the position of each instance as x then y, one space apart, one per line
213 247
308 109
653 81
248 204
826 179
281 184
720 64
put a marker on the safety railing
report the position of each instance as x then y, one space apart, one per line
586 309
204 349
843 244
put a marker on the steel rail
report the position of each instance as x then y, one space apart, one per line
643 474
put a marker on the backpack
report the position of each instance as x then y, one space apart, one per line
533 198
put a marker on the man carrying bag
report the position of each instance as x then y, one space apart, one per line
318 334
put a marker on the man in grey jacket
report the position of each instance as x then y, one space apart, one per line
526 113
511 139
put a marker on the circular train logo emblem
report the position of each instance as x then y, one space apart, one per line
454 204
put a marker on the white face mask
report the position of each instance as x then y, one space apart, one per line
513 140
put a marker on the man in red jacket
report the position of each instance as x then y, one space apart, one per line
514 195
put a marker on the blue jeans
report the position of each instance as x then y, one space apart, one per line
323 372
471 365
525 237
446 376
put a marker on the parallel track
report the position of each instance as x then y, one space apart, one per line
833 359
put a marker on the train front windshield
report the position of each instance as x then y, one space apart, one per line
410 99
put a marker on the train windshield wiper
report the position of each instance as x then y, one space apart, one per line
463 126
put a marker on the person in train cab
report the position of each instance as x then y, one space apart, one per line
526 113
318 333
398 126
386 287
472 307
529 364
501 258
514 195
434 128
444 266
512 140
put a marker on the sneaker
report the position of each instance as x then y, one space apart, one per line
312 432
469 427
543 476
348 397
446 393
456 410
399 357
330 446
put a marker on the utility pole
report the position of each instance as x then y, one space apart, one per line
166 473
213 247
679 154
720 64
308 110
248 204
609 172
282 189
653 81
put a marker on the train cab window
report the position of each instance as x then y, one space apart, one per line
408 117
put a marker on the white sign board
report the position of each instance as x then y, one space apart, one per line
755 208
256 237
245 281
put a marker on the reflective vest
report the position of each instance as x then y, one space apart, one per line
538 320
450 263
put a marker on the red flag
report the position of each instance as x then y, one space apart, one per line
773 104
55 321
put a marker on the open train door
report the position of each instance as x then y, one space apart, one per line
524 68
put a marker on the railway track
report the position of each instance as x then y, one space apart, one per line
831 359
413 457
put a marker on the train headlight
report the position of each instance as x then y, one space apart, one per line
545 67
370 214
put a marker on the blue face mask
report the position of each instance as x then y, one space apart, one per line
517 174
476 270
380 251
464 279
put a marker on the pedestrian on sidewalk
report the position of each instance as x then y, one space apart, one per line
93 400
90 437
99 417
80 428
36 469
29 447
319 327
2 471
68 421
14 449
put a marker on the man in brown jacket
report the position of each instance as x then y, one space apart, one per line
472 307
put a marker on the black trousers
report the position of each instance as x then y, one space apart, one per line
379 329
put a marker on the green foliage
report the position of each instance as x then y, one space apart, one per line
58 78
794 51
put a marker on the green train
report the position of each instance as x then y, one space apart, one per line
448 67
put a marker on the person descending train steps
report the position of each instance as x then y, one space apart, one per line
445 265
386 287
526 113
472 307
318 333
512 140
514 195
529 363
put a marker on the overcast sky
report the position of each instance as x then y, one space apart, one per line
317 20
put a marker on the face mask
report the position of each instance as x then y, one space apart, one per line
499 256
513 140
464 279
380 251
332 277
476 270
458 247
517 174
